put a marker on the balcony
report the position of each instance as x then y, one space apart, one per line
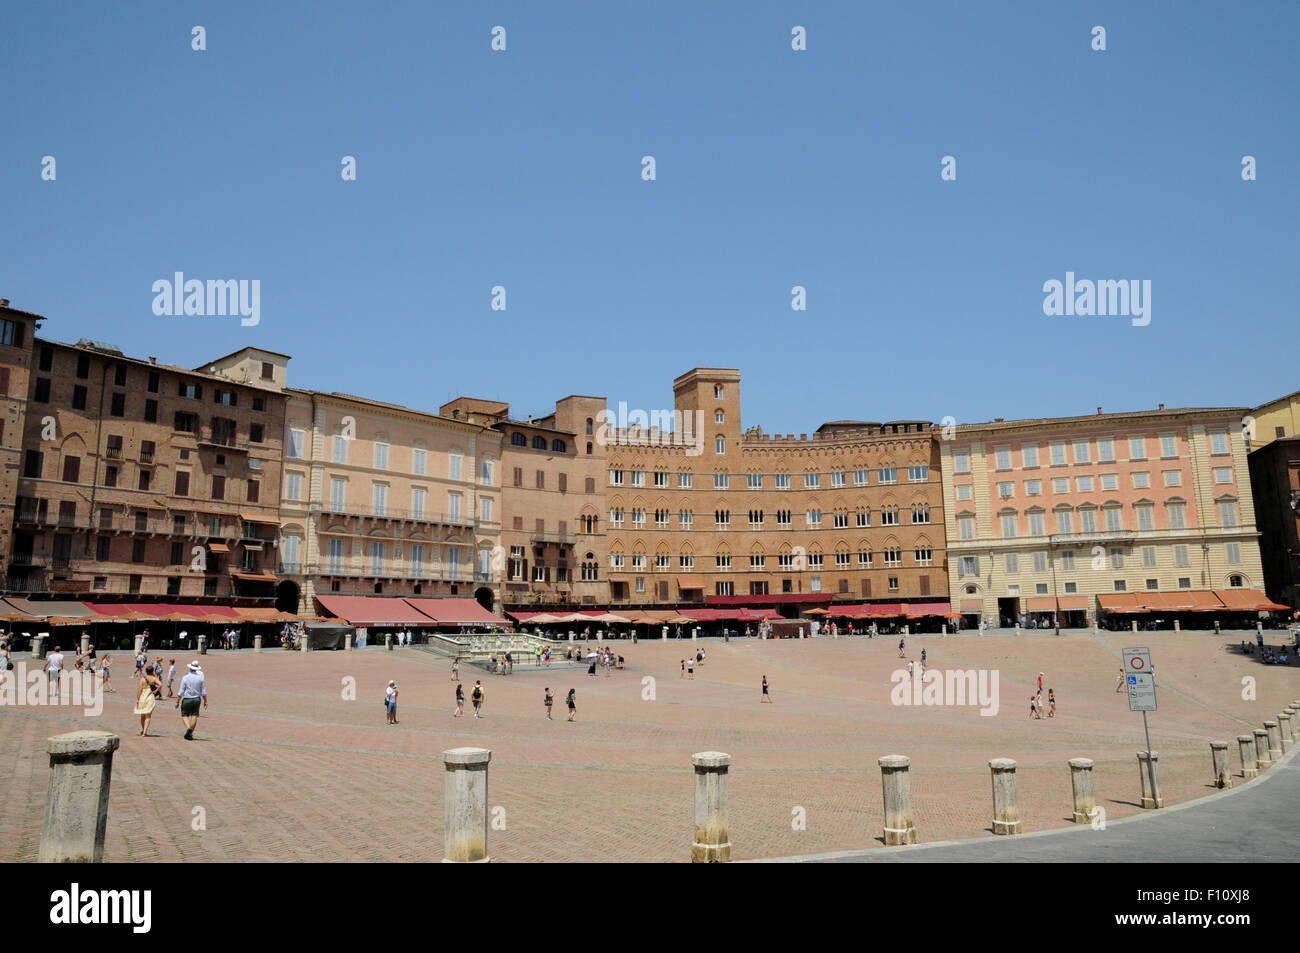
394 513
560 539
28 559
221 442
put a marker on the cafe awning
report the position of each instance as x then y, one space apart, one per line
972 606
455 612
255 576
919 610
259 518
690 582
1073 603
1126 602
374 610
1040 604
1247 600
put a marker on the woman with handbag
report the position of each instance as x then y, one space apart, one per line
146 696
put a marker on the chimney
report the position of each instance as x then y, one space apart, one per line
153 359
1098 411
999 420
4 302
1162 406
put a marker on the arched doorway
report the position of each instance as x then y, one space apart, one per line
484 597
286 596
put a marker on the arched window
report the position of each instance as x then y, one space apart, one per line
539 442
588 426
588 448
558 446
518 440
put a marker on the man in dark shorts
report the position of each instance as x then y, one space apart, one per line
194 691
477 697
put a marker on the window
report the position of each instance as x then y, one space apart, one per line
1033 488
227 398
1002 458
268 371
42 394
921 513
720 445
753 481
11 333
1040 588
1057 448
1064 522
961 461
1012 564
615 477
1137 448
722 560
964 492
1177 515
887 475
78 397
485 509
1141 481
1061 485
1219 441
685 481
1184 582
1223 474
1029 454
297 443
487 471
783 481
1082 451
455 463
381 455
218 487
1116 558
1145 519
1006 490
379 498
784 518
1071 587
1121 585
1036 525
812 481
254 491
839 478
71 469
539 479
377 557
814 517
966 527
1008 521
1173 477
1168 445
1087 520
1227 513
968 565
1084 484
110 476
1110 481
558 445
539 442
144 479
182 483
103 551
293 486
1105 450
1148 557
190 391
717 391
417 502
1114 519
519 440
721 481
893 557
889 516
1180 556
860 477
1067 564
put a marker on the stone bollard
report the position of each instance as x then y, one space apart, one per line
663 634
895 779
347 640
695 633
1274 741
1259 628
257 643
1178 626
945 628
1222 773
570 636
1294 716
465 806
38 646
203 645
388 641
1017 628
304 642
1134 626
139 643
1248 767
76 807
85 644
1284 729
1085 801
1262 760
600 635
712 844
1006 812
1150 772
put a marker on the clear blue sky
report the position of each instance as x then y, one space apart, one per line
775 168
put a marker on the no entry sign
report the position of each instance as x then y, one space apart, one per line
1141 683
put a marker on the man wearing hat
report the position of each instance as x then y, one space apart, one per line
193 688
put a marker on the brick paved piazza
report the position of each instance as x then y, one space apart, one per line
288 771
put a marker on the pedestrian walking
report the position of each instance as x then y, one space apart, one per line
548 701
591 667
1033 707
572 702
476 697
107 674
390 702
910 663
1051 703
683 675
455 670
193 692
1119 681
922 660
460 701
690 667
1040 683
171 677
146 697
158 673
54 665
901 645
766 696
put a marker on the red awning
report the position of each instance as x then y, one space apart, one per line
972 606
1126 602
1073 603
455 612
917 610
781 598
219 547
374 610
1247 600
255 576
1040 604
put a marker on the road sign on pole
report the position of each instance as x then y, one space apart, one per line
1141 683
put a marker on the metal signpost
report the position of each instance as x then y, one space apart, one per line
1141 694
